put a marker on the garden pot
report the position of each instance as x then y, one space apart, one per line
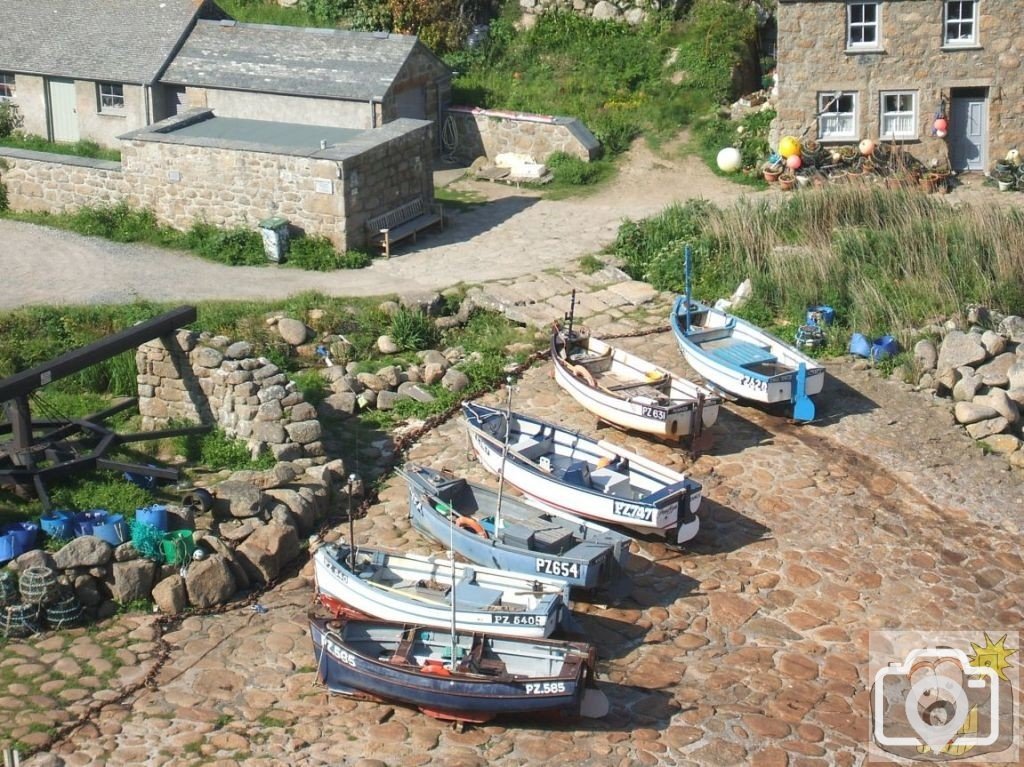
113 530
786 184
771 176
178 547
154 516
1005 186
24 534
57 523
927 182
85 521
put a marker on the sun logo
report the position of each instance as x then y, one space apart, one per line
992 655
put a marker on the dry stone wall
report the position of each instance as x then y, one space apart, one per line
39 181
203 379
629 11
486 132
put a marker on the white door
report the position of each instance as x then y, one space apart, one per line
63 112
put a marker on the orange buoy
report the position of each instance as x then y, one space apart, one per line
470 524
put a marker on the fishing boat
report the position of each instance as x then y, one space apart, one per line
393 586
567 472
741 359
465 677
627 391
488 529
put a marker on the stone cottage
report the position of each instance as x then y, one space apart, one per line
889 70
98 69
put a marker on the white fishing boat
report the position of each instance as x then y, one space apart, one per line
743 360
566 472
627 391
393 586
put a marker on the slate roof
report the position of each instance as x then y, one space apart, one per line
330 63
125 41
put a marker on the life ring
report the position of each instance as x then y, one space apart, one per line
436 668
470 524
585 374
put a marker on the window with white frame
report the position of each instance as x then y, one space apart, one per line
898 115
862 25
111 97
837 116
6 86
961 27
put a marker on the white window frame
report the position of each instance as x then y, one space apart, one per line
958 22
863 26
111 100
8 86
827 115
898 115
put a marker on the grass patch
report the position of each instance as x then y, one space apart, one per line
590 264
887 261
34 143
216 451
316 253
457 199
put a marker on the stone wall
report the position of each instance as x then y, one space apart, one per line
812 58
485 132
202 379
631 11
40 181
329 192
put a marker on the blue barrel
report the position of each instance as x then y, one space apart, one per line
24 534
57 523
154 516
820 315
883 347
113 530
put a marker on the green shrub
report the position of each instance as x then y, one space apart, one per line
572 171
312 386
216 451
236 247
10 118
354 259
314 253
719 38
103 490
412 330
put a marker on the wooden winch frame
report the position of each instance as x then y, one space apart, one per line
42 450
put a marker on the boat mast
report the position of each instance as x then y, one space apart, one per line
569 317
451 562
688 254
352 479
504 449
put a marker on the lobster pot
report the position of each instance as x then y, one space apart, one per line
19 621
8 589
38 586
64 613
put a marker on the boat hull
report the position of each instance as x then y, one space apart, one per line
668 510
387 661
594 559
483 600
676 410
747 381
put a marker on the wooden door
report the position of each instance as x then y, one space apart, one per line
968 129
63 110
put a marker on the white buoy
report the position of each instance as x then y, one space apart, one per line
730 160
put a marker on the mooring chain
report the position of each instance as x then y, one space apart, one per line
166 622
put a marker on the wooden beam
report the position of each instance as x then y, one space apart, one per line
24 383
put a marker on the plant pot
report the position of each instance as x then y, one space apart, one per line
771 176
927 182
1005 186
786 184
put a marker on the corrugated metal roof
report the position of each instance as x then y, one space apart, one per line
312 62
126 41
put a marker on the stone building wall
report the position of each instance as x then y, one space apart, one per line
813 58
199 379
329 192
491 132
40 181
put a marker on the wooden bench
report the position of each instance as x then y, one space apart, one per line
404 221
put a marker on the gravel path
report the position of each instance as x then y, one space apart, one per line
487 242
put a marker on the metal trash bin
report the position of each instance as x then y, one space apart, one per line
274 231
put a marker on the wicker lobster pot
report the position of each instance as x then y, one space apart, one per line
19 621
38 586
